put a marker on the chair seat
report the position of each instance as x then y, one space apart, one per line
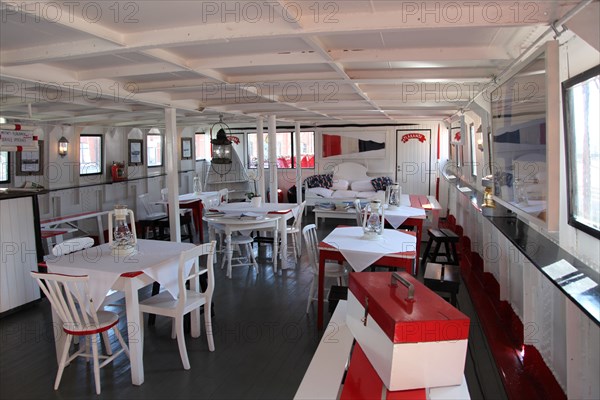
106 320
163 301
241 239
292 229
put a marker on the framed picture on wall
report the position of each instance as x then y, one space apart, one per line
186 148
136 151
30 162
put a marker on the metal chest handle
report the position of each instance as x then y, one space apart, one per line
411 288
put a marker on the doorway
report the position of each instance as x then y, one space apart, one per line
414 167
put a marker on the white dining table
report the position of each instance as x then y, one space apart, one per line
154 261
284 211
236 223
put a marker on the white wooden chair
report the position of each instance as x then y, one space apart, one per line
358 210
70 299
332 269
189 300
295 230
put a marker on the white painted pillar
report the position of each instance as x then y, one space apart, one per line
273 159
260 142
298 164
171 157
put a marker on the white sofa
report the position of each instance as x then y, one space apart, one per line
349 181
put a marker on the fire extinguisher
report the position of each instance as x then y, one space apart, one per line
118 171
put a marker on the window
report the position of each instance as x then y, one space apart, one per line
90 154
201 142
473 141
154 146
4 167
581 102
286 152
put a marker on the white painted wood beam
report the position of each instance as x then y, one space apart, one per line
257 60
457 53
480 14
128 70
73 15
171 150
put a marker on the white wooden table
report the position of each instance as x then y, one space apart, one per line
155 261
232 224
284 212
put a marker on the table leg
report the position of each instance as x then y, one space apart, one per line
320 290
419 225
100 229
283 233
135 333
275 247
229 252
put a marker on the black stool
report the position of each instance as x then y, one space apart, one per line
439 236
443 278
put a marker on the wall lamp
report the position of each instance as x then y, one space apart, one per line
63 146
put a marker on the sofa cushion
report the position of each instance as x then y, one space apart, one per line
362 185
341 194
381 182
320 192
323 180
339 184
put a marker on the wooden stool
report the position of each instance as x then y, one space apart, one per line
439 236
443 278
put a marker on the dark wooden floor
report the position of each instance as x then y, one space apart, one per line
264 342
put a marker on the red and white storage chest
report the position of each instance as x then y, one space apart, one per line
411 343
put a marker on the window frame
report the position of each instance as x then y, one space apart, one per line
292 148
196 147
162 150
570 137
473 144
7 180
101 163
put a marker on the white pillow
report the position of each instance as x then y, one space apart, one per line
367 195
339 184
362 186
340 194
320 192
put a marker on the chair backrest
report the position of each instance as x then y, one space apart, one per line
193 255
358 212
298 220
223 196
72 245
312 246
70 299
145 200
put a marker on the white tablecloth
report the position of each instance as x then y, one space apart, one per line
265 208
360 253
157 259
397 216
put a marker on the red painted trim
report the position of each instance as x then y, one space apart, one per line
58 219
91 331
49 234
19 148
131 274
363 382
527 377
280 211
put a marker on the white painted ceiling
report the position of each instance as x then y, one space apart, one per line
317 62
